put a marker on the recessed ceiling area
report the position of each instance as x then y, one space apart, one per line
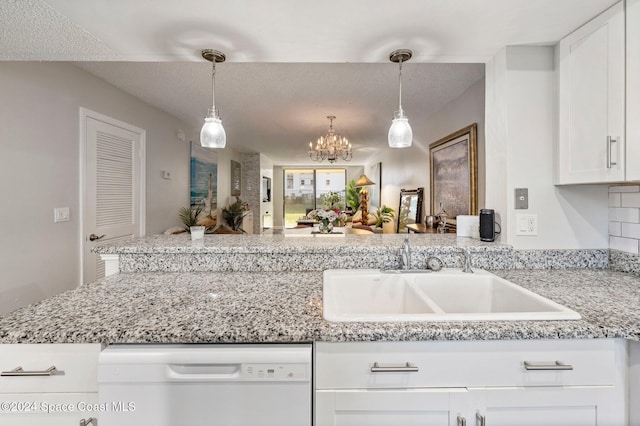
290 63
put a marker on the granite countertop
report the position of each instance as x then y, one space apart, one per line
293 243
228 307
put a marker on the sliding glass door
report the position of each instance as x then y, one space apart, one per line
304 190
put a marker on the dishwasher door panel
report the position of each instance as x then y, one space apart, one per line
222 385
226 404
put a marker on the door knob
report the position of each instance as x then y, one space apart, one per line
94 237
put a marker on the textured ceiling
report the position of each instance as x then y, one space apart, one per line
290 63
278 108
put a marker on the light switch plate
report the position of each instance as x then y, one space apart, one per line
61 214
526 224
522 198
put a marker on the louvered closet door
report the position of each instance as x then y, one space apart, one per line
112 189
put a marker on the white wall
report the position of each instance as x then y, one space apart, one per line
39 170
521 127
408 168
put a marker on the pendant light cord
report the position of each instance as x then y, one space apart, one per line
213 87
400 78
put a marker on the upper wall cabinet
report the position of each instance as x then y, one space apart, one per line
633 90
591 144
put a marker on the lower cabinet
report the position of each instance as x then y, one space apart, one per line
547 406
49 384
471 383
382 407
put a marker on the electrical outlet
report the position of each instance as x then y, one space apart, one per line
61 214
526 224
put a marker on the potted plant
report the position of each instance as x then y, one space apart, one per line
384 214
326 220
352 195
234 213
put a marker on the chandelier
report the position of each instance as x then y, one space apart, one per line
330 146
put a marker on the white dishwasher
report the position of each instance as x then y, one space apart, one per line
222 385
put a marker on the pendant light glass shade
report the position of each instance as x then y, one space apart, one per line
212 134
400 133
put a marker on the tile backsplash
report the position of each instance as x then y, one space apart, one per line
624 218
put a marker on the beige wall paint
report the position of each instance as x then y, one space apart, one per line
39 170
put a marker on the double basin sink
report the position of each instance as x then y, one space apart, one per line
448 295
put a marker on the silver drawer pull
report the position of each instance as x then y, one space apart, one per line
461 421
19 372
557 366
480 420
408 367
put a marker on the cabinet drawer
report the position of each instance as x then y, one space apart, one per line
76 367
468 364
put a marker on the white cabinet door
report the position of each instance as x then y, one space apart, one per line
63 409
416 407
633 89
549 406
592 102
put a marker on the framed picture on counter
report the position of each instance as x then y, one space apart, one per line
454 173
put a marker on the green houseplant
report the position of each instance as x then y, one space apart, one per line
384 214
233 214
189 216
332 200
352 195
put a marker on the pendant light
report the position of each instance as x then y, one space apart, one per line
212 134
400 133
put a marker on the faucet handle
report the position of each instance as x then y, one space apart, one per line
434 263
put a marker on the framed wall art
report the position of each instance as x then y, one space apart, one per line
204 177
454 173
375 172
236 178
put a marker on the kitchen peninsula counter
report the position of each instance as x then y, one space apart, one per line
295 252
253 307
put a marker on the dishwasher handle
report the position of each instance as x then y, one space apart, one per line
203 371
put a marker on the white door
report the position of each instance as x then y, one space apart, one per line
113 186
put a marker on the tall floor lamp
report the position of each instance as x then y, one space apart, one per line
362 183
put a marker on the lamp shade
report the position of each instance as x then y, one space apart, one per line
400 133
364 181
212 134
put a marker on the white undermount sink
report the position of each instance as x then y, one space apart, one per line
447 295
